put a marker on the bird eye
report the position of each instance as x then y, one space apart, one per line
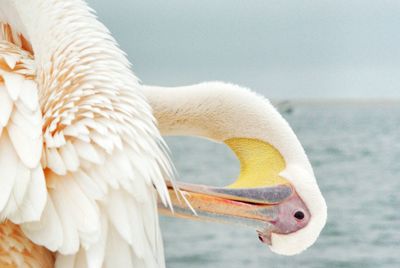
299 215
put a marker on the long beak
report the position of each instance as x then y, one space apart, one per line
252 207
259 198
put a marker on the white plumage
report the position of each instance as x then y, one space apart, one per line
81 159
80 155
225 111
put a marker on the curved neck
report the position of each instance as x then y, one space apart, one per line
220 111
245 121
213 110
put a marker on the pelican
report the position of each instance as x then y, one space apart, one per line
84 169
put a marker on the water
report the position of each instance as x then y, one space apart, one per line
355 152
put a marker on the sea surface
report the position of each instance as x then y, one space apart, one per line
355 152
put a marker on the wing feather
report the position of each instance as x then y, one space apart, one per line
29 150
30 98
118 253
48 231
93 137
13 84
34 198
70 156
22 185
118 214
95 254
55 162
18 191
8 167
6 106
78 214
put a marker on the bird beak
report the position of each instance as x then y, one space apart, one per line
252 207
260 198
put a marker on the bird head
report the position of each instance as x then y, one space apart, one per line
275 193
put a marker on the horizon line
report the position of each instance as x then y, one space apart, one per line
351 100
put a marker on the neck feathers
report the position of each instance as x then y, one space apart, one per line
220 111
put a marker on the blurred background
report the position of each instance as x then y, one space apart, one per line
333 70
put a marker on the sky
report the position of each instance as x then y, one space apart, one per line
282 49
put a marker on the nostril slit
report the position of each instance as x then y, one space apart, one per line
261 238
299 215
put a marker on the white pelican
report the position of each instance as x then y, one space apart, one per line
82 161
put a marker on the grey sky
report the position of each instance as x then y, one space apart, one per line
284 49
